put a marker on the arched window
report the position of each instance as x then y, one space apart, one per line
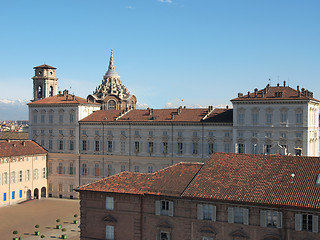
132 105
39 91
51 91
112 105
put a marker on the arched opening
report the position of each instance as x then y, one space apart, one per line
39 92
51 91
43 192
112 105
29 194
131 105
36 193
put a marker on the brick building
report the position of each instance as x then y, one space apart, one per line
231 196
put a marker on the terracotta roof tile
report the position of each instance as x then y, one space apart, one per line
162 115
20 148
45 66
14 135
276 93
61 99
241 178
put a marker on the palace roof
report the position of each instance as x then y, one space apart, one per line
286 181
278 92
20 148
163 115
45 66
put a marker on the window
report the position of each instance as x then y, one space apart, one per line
13 177
20 176
71 145
206 212
240 118
109 169
136 147
84 132
71 116
60 168
227 147
150 149
164 207
150 169
136 133
255 118
60 144
269 118
109 133
109 146
227 134
123 168
150 133
195 148
211 134
241 148
28 175
109 232
284 117
268 149
71 188
240 134
269 218
20 193
109 203
299 118
50 187
61 118
42 118
123 133
96 132
50 144
35 119
136 168
210 148
112 105
165 133
42 132
306 222
283 135
164 147
84 169
4 197
207 238
123 146
71 169
195 134
44 173
84 145
180 147
60 187
164 235
13 194
96 170
35 174
179 134
238 215
268 134
298 134
71 132
50 118
5 178
97 146
254 148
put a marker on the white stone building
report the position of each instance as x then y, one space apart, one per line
91 138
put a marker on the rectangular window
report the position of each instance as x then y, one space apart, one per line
270 218
179 134
20 193
195 134
61 132
136 168
195 148
28 175
227 134
71 188
299 118
268 149
298 134
227 147
238 215
109 133
61 118
71 145
109 146
13 177
210 148
123 168
50 118
84 169
96 132
35 174
136 133
255 118
123 133
150 169
150 149
60 144
42 118
206 212
164 147
165 133
96 170
136 147
240 118
71 117
268 134
150 133
4 197
240 134
44 173
13 194
84 145
109 232
123 146
50 144
35 119
71 172
284 117
71 132
307 222
180 147
241 148
84 132
109 169
164 235
97 146
164 207
20 176
109 203
60 187
60 168
269 118
211 134
283 135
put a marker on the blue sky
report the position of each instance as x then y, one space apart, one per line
203 51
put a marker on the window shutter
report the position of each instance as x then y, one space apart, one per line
74 171
315 223
298 222
236 148
214 213
263 218
157 207
230 215
279 223
200 212
246 216
170 208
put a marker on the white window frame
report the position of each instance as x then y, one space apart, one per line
245 215
109 232
164 207
270 218
206 212
109 203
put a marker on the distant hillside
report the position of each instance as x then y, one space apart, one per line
13 109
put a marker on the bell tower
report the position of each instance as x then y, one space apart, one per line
44 82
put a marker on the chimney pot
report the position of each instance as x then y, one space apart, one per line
284 83
298 88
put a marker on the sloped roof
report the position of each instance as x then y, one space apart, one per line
45 66
20 148
162 115
61 99
240 178
276 93
14 135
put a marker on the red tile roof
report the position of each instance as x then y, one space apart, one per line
237 178
20 148
14 135
276 93
45 66
61 99
162 115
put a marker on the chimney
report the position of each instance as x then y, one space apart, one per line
248 94
240 94
23 143
255 92
227 107
65 92
59 92
172 116
8 140
73 97
284 83
278 84
298 88
150 111
179 110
